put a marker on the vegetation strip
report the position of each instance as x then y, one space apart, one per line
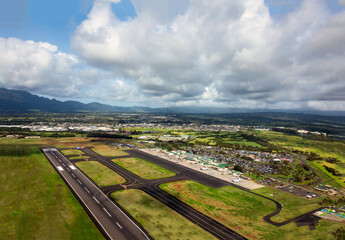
143 169
159 220
38 204
242 211
107 151
100 174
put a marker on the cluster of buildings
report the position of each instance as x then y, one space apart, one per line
165 138
17 136
184 126
248 160
326 189
204 162
264 156
65 127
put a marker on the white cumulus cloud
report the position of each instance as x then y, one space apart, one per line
40 68
231 52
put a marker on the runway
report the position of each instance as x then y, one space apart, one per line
111 220
151 187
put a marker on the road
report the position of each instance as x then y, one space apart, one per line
319 179
111 220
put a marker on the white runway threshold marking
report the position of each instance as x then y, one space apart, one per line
72 167
59 168
105 210
118 225
96 200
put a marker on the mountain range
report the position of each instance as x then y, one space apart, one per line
23 101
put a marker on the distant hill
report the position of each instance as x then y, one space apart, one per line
22 101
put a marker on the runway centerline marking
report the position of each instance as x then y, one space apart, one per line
118 225
105 210
79 181
96 200
88 181
86 189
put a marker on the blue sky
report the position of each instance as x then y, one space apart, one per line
177 53
50 21
55 21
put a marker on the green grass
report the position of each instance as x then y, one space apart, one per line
99 173
107 151
159 220
325 149
251 144
332 149
293 206
243 212
72 152
79 157
142 168
35 203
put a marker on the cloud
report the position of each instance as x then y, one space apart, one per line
40 68
197 52
341 2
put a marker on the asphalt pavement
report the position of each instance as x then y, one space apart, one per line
115 223
112 221
151 187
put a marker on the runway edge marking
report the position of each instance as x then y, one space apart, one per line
80 199
107 197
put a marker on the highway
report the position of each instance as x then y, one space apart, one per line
112 221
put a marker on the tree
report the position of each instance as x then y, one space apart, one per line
238 168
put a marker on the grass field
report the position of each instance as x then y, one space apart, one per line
325 149
246 143
72 152
332 149
107 151
79 157
66 142
100 174
292 206
142 168
214 138
243 212
159 220
35 203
